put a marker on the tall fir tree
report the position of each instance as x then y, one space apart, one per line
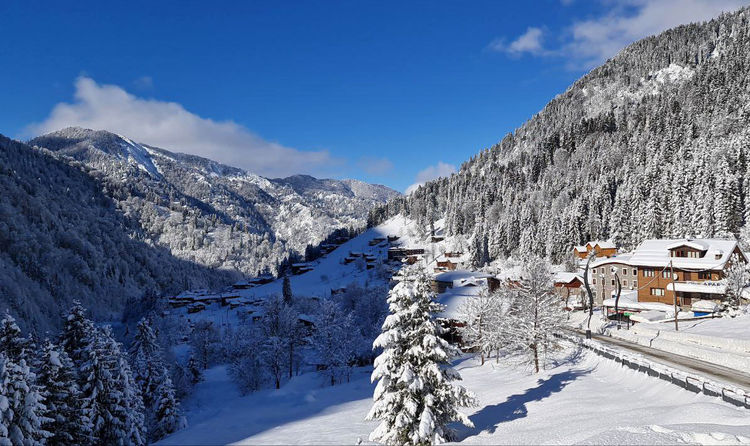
57 380
21 408
12 342
415 397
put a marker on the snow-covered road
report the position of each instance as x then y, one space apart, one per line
720 373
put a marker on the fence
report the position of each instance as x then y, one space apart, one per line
688 381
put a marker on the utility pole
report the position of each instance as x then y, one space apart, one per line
674 292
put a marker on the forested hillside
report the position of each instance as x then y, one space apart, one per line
62 239
654 143
212 214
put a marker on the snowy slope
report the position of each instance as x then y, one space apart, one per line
585 399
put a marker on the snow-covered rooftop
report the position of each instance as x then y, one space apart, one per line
617 258
460 274
566 277
656 253
602 244
453 299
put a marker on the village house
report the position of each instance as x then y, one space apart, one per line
400 253
599 248
301 268
458 278
691 268
602 278
570 288
659 268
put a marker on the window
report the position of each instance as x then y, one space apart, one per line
594 280
635 283
665 274
613 282
686 276
648 272
624 271
657 291
704 275
624 283
635 272
593 271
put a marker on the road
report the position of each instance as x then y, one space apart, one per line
703 368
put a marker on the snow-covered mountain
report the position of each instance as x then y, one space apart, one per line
212 214
62 238
654 143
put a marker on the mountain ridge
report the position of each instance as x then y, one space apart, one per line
210 213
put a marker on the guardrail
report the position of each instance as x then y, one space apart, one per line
688 381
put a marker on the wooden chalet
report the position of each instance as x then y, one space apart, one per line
447 265
400 253
691 268
301 268
327 248
392 238
376 241
599 248
570 288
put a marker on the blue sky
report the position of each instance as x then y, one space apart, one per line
387 92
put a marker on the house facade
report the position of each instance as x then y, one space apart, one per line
603 275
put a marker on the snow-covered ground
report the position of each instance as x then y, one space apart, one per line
584 399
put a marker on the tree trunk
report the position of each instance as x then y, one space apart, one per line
536 357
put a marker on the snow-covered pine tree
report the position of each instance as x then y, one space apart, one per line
168 418
57 382
148 365
286 291
21 408
535 314
153 383
12 342
77 335
120 402
415 398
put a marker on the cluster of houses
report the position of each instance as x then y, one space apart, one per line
683 272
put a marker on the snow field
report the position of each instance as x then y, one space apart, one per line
582 399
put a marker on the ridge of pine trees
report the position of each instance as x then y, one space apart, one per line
652 144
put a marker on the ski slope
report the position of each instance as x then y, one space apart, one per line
583 399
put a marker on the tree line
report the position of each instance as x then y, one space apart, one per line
83 387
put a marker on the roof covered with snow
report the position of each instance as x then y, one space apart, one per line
454 299
566 277
460 274
623 259
656 253
602 244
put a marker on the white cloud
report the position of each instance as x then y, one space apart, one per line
375 166
430 173
528 42
170 126
587 43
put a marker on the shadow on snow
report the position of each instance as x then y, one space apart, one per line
489 418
